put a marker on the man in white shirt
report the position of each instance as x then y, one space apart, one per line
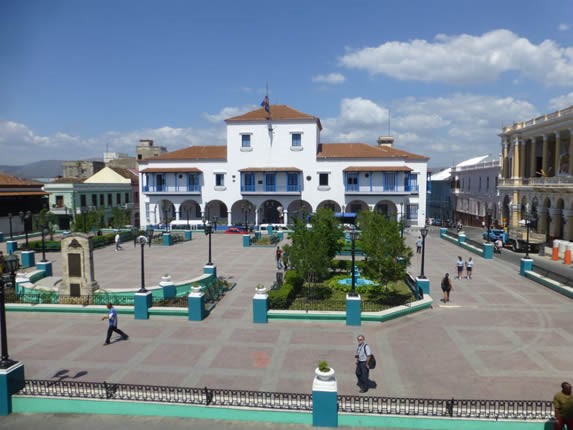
363 356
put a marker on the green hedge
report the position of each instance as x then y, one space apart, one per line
284 296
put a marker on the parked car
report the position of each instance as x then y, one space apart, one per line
237 230
494 234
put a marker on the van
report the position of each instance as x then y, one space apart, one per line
184 225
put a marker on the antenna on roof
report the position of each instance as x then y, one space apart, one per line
389 122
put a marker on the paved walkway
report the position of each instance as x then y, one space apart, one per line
501 337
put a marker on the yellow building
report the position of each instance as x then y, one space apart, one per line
537 174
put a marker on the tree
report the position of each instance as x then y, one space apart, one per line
313 247
119 217
388 256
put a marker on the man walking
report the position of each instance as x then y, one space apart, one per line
363 356
563 404
278 257
419 245
112 320
117 242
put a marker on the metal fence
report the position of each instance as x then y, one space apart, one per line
401 406
306 304
53 298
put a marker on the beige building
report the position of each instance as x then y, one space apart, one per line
537 174
146 149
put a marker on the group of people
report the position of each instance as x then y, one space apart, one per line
281 259
468 264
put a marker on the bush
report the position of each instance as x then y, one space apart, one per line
293 278
281 298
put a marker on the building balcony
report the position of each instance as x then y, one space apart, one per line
172 189
271 189
560 183
367 189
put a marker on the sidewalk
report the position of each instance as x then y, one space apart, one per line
502 336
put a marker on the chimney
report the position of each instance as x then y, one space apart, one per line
387 141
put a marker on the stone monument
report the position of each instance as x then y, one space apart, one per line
77 266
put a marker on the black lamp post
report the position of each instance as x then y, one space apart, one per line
149 236
142 241
528 219
187 215
353 236
209 226
44 232
424 233
489 212
10 221
11 264
25 217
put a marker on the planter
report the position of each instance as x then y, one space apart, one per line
260 290
324 376
166 279
196 290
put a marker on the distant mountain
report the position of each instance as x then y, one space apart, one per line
39 169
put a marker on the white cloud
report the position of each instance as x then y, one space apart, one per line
228 112
464 58
563 27
331 78
445 128
561 102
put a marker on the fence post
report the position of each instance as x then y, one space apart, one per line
353 310
28 259
142 303
324 399
260 306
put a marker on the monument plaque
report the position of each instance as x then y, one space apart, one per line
78 267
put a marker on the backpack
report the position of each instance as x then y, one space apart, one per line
372 362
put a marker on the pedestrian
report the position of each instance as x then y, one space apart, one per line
363 357
460 267
469 268
112 320
563 405
499 245
278 257
285 260
446 287
117 242
419 245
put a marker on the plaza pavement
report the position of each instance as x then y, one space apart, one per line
501 337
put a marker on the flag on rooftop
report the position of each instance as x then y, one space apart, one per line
265 103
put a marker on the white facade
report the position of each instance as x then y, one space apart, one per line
274 169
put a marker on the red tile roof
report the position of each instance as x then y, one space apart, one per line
363 150
278 113
13 181
213 152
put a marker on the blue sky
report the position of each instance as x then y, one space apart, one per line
77 77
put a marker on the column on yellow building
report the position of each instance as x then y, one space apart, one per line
515 210
516 155
542 220
571 151
557 163
532 158
568 227
545 162
505 158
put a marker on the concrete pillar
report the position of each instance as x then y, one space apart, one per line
487 252
260 306
505 156
246 240
210 270
141 304
515 211
324 399
196 304
46 266
353 310
556 220
11 246
461 238
557 153
424 284
545 161
167 239
285 217
28 259
168 287
11 381
522 158
568 227
515 164
525 264
188 235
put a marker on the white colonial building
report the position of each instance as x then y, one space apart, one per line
274 169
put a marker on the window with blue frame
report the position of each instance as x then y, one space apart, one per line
352 181
245 140
412 212
389 181
292 182
248 182
270 182
296 139
412 182
193 182
219 179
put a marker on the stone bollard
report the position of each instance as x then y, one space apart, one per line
246 240
324 399
423 284
168 287
167 239
210 270
461 238
28 259
525 265
260 306
142 302
11 246
353 310
11 381
487 252
46 266
555 253
188 235
196 304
